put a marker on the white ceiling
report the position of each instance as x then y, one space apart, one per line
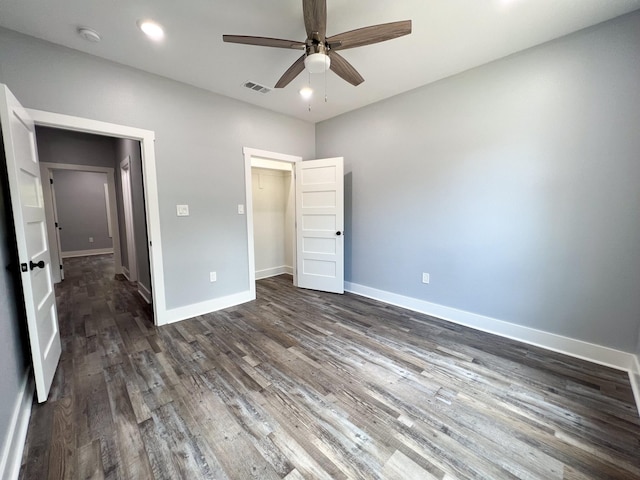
449 36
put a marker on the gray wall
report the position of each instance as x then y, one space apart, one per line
75 148
131 148
82 210
13 352
515 185
199 140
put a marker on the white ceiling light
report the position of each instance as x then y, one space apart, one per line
151 29
306 93
89 34
317 63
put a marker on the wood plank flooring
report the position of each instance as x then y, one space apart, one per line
306 385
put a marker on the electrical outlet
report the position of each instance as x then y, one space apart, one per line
213 277
90 239
425 278
182 210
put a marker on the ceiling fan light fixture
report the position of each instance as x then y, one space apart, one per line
317 63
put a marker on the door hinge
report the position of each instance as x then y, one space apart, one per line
51 181
150 243
60 267
24 267
56 224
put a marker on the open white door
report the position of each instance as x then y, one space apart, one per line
320 224
18 134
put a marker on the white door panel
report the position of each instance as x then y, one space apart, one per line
320 224
18 133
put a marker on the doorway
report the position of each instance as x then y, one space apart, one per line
269 161
150 192
318 249
94 203
68 180
273 195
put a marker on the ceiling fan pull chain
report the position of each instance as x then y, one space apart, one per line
309 76
325 86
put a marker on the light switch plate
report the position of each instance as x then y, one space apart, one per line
240 209
182 210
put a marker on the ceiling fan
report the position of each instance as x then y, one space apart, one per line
320 51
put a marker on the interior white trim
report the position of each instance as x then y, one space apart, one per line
127 207
272 272
107 204
87 253
634 377
125 272
258 162
14 442
261 155
51 221
144 292
146 139
210 306
569 346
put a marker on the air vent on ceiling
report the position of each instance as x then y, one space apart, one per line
257 87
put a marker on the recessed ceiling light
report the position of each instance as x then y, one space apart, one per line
151 29
306 93
89 34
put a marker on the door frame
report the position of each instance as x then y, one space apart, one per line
47 168
249 154
150 182
51 218
131 272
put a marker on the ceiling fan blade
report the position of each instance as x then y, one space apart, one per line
344 69
293 71
315 18
263 41
369 35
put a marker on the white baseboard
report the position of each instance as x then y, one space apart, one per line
125 272
272 272
16 436
569 346
87 253
144 292
182 313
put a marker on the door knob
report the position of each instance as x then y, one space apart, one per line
338 233
32 265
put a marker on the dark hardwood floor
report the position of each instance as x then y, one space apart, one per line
301 384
